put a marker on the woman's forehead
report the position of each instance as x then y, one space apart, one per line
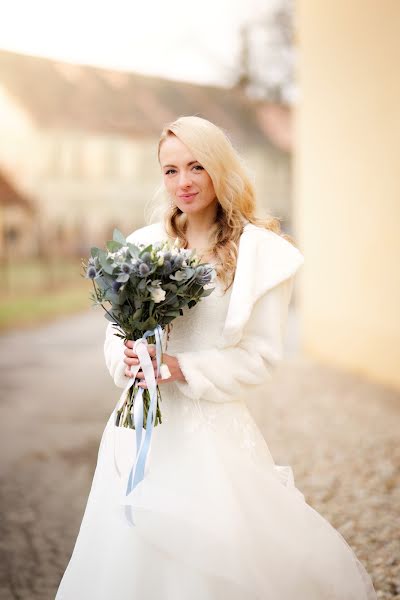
173 151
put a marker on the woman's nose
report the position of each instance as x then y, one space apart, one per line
185 179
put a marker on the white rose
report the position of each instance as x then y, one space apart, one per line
179 276
157 294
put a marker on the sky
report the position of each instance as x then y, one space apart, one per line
186 40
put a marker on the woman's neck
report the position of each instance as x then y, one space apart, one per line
199 224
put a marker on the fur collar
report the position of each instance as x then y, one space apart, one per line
265 259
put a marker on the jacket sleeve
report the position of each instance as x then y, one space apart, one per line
114 356
220 375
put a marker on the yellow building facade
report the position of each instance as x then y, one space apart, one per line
347 184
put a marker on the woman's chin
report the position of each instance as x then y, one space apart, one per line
189 208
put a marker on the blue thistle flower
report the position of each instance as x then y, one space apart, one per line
167 267
115 286
91 272
203 275
178 260
144 269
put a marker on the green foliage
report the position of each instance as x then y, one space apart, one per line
140 288
119 237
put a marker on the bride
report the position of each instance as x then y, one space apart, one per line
214 517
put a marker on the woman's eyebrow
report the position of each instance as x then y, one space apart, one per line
189 163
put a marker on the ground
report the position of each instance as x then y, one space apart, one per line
337 431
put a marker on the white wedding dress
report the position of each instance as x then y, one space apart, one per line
215 518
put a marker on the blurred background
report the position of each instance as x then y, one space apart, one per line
84 94
309 93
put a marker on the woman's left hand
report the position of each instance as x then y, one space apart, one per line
168 359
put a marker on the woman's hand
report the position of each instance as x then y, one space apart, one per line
131 358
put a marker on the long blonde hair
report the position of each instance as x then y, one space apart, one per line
233 188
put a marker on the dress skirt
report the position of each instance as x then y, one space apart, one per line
213 518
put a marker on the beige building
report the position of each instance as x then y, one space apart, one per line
17 222
347 184
81 143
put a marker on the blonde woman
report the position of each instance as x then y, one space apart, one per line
215 517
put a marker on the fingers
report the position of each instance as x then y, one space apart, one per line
140 376
143 384
128 372
132 362
131 354
131 359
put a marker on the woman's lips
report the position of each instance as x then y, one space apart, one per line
188 196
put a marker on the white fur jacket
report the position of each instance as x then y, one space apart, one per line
254 330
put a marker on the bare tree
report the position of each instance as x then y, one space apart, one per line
267 55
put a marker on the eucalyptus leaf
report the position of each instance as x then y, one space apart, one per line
170 300
113 246
110 318
113 298
149 324
189 272
207 292
137 314
123 296
151 306
173 313
146 249
108 267
119 237
134 250
170 286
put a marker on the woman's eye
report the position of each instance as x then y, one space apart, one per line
169 171
198 167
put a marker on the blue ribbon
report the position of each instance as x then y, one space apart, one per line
136 474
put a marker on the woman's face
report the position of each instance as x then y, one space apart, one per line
187 182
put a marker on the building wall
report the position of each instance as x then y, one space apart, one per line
86 183
347 184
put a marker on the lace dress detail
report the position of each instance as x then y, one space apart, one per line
200 328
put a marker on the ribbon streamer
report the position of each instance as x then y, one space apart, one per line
136 474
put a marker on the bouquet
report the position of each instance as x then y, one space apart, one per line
147 287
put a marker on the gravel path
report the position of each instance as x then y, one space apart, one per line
337 431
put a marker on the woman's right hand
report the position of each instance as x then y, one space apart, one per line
131 358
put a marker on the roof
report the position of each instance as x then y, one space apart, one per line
63 95
10 196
